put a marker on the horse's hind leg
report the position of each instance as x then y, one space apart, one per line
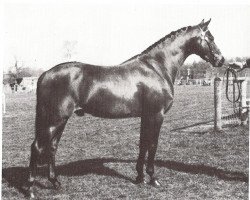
55 131
37 150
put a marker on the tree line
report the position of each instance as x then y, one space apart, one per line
16 73
201 69
198 70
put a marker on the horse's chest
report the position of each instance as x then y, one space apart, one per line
158 99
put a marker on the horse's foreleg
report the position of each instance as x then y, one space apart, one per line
55 133
154 127
141 158
148 125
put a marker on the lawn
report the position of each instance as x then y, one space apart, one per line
96 157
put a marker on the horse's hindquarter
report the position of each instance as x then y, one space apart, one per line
57 88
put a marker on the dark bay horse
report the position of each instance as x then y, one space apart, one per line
139 87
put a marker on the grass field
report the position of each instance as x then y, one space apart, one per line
96 157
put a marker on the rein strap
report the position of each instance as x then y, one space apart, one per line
235 84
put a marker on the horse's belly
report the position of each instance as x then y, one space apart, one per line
114 110
106 103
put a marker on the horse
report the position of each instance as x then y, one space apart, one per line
142 86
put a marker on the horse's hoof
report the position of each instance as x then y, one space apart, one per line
31 195
28 190
56 184
140 180
154 182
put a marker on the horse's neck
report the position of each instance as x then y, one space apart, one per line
169 55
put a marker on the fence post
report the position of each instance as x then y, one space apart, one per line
243 105
217 105
4 103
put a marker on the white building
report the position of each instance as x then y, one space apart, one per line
29 83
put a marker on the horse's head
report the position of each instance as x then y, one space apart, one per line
203 45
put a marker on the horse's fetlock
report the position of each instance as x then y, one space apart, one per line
53 149
150 171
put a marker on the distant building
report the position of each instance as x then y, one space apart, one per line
8 78
25 84
29 83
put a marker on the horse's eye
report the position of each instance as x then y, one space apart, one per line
210 37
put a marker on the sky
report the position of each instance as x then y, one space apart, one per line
108 34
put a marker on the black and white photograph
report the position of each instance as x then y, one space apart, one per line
125 100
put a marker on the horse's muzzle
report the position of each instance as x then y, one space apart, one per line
220 62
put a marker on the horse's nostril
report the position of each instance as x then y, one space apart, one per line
222 60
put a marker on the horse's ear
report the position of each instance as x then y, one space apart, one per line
202 22
205 25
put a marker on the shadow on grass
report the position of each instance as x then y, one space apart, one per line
17 176
204 170
190 126
228 117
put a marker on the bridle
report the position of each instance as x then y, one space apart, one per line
204 38
229 71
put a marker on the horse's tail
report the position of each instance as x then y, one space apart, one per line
40 145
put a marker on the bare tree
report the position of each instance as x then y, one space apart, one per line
17 68
17 71
69 49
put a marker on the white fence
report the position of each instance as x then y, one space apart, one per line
226 111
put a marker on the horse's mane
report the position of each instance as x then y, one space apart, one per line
171 35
